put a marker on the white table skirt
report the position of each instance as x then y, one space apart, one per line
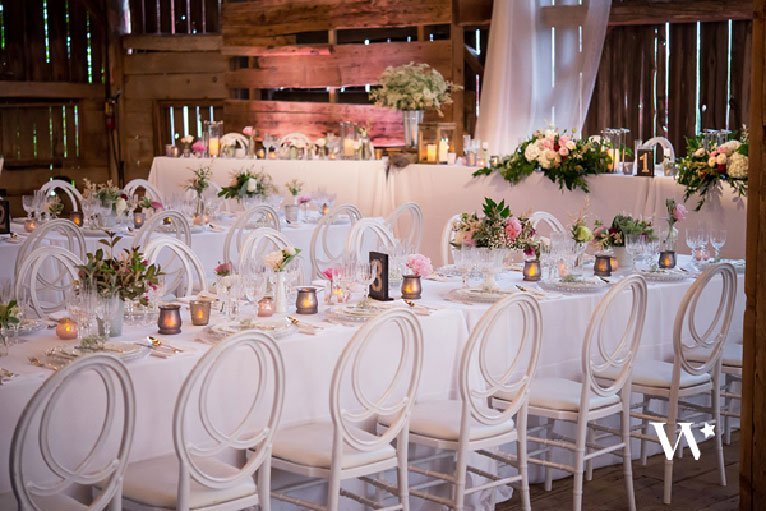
360 182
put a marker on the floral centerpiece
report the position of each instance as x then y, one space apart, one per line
186 141
9 318
676 213
623 225
277 261
562 158
704 170
55 206
145 203
247 183
199 148
498 228
107 193
199 183
294 187
249 132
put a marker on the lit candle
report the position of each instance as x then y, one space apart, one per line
197 219
169 321
325 209
138 219
563 270
667 259
213 146
260 154
30 224
615 155
348 148
306 302
443 150
411 288
200 312
76 218
614 264
603 265
66 329
431 153
531 272
265 307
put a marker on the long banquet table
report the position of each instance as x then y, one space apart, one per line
309 363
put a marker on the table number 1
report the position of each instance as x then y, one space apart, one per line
645 162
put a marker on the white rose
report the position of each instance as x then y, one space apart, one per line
721 159
120 206
251 185
711 161
738 164
531 153
290 251
274 260
357 144
571 145
699 152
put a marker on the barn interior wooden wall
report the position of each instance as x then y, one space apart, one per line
303 65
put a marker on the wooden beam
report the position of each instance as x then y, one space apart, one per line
175 42
65 90
457 75
679 11
170 63
278 51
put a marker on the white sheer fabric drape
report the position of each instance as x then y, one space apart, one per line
540 69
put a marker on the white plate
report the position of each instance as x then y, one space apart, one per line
122 350
30 326
15 241
478 295
664 275
276 327
352 312
580 286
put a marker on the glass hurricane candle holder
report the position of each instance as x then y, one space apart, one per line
76 217
667 259
66 329
603 265
30 224
307 302
411 288
531 272
265 307
138 219
169 321
200 312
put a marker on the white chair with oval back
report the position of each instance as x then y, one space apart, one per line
261 215
322 254
468 426
553 223
586 401
412 235
150 190
71 238
59 184
448 235
36 290
689 374
257 245
296 139
178 227
36 436
184 273
194 477
339 449
357 244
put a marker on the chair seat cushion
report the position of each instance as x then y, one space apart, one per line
731 355
310 444
564 394
57 502
653 373
155 482
441 419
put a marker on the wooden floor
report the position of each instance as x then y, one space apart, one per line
696 486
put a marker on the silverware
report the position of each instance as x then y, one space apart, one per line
158 344
45 365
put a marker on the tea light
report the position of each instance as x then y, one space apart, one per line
213 146
66 329
30 224
667 259
200 312
306 302
411 288
76 218
265 307
614 263
260 154
563 270
603 265
531 270
197 219
431 153
325 209
138 219
169 322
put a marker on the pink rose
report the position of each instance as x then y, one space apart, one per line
563 139
249 131
512 228
468 238
679 212
303 199
563 151
420 265
548 143
156 205
199 147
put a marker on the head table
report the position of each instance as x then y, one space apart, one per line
309 361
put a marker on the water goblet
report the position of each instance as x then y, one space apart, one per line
28 203
717 241
634 246
364 275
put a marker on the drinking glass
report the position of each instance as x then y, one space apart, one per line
364 276
702 237
717 241
28 203
464 261
634 246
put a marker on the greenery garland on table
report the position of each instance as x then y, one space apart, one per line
562 159
703 170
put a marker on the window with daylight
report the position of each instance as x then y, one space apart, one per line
175 16
184 117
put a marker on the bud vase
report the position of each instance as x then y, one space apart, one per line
280 292
411 120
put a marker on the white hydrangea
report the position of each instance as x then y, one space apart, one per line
738 164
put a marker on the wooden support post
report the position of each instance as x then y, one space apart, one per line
332 40
458 75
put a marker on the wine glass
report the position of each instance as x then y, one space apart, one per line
364 275
28 203
634 246
464 262
702 237
717 241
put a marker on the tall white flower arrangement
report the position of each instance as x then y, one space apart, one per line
413 87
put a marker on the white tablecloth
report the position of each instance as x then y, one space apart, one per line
360 182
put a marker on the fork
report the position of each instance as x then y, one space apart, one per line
45 365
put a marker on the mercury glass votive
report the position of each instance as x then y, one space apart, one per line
76 218
138 219
265 307
667 259
30 224
169 321
411 288
66 329
200 312
603 265
531 271
307 302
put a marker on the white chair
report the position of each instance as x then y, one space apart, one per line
588 400
675 382
357 245
73 240
105 463
184 273
59 184
548 219
413 234
45 295
194 477
320 243
261 215
257 245
338 450
468 426
150 190
178 227
296 139
447 236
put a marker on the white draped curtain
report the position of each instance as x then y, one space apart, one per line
541 65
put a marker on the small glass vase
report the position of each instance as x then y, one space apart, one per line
669 238
251 147
411 120
187 150
279 290
5 341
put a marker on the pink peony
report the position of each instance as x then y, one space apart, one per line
199 147
249 131
563 151
548 143
223 269
156 205
331 273
679 212
420 265
512 228
304 199
563 139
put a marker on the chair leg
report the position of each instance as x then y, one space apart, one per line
582 427
401 471
728 386
672 432
264 485
461 469
644 428
716 398
547 432
522 452
627 461
589 462
333 492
